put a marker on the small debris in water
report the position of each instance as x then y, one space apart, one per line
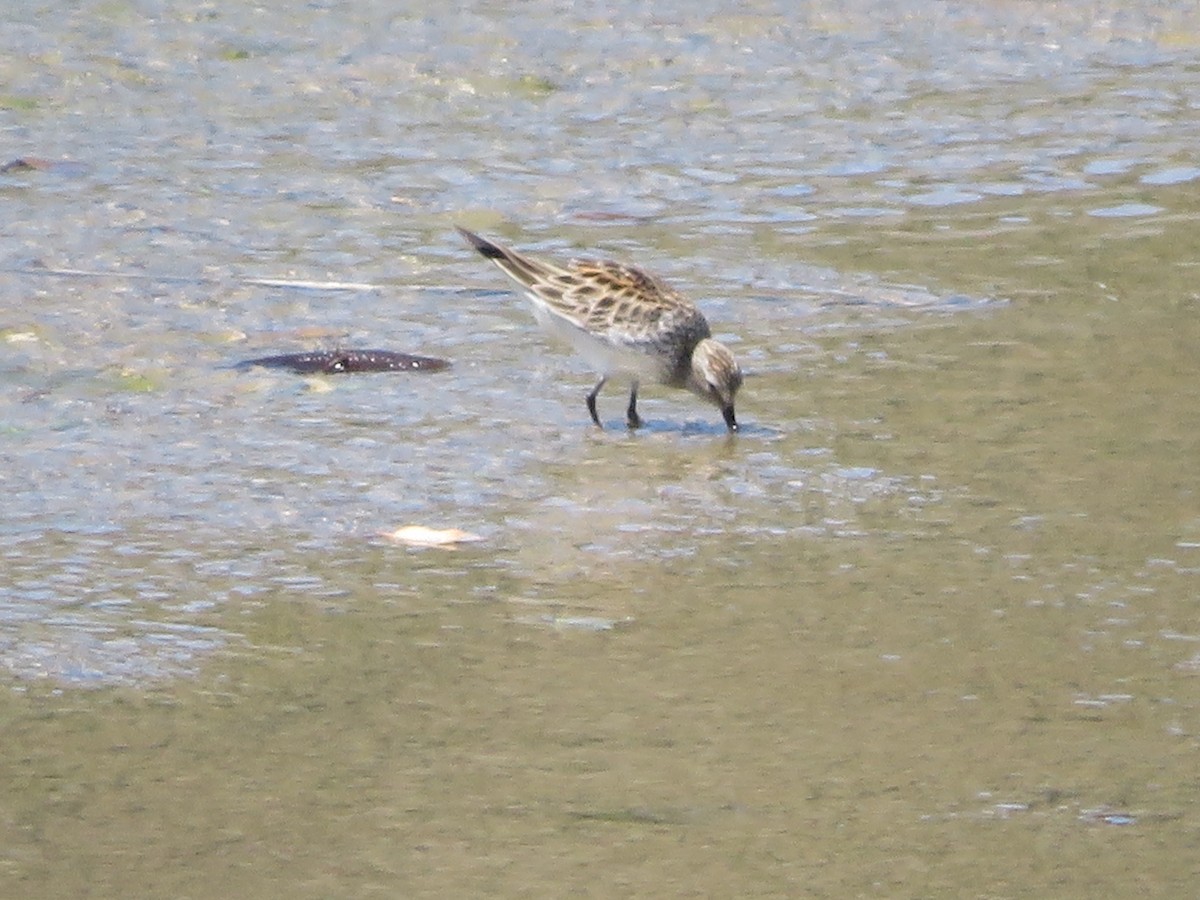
39 164
421 536
574 623
1107 817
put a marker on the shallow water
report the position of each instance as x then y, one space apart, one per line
926 627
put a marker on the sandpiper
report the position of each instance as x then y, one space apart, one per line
624 321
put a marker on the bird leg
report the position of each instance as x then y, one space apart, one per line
591 400
631 416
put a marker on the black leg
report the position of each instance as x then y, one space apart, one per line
631 416
591 400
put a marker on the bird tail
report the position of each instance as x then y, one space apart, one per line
521 269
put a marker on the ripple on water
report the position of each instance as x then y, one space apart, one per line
78 652
1173 175
72 617
945 195
1125 211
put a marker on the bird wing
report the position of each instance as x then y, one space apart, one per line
603 297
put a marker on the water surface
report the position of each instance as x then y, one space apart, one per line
926 627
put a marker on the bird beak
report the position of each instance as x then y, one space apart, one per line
730 421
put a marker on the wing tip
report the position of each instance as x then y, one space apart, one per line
486 248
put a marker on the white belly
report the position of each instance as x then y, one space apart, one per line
605 357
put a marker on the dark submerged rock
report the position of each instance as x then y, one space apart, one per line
335 362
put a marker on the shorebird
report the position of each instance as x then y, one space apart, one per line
624 320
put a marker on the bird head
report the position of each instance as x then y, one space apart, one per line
716 377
